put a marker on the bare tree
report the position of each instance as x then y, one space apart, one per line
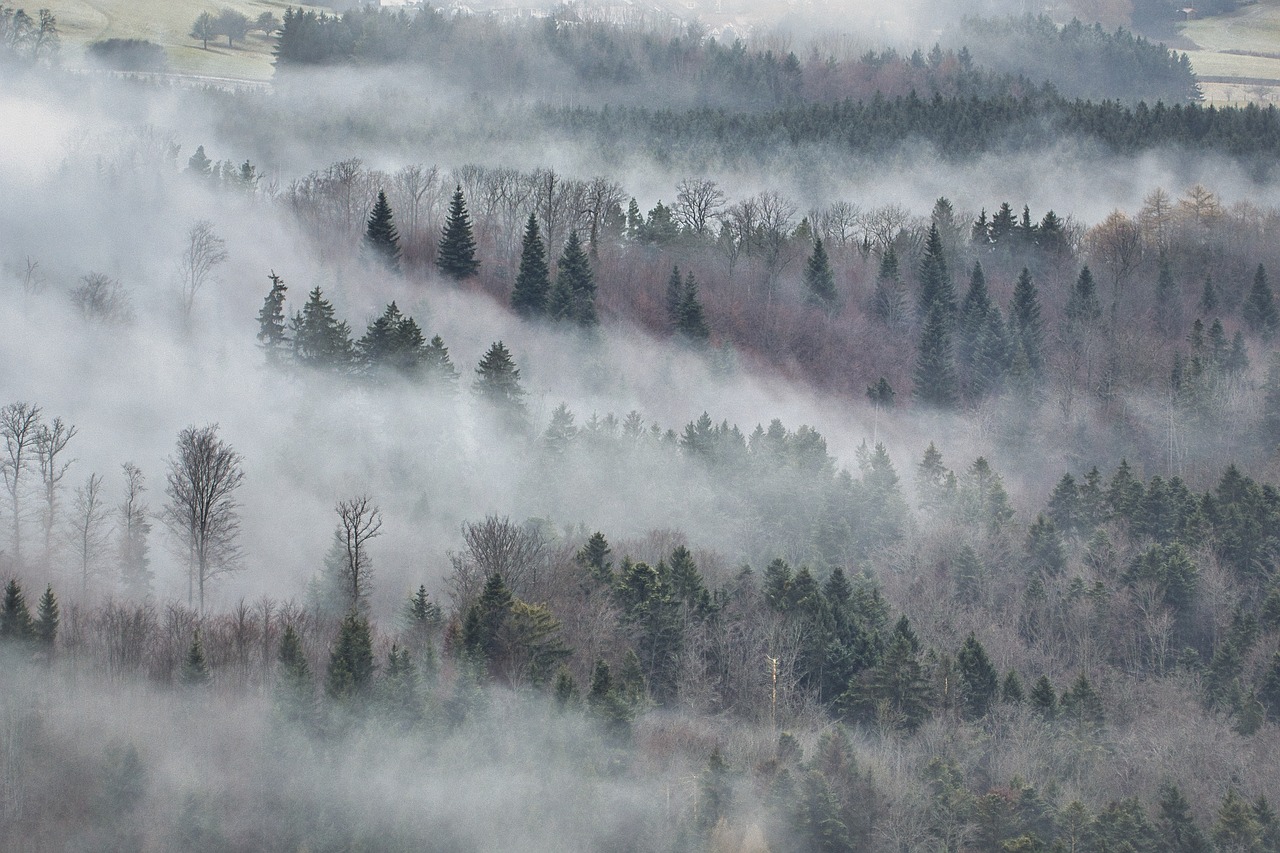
202 510
359 520
32 278
19 427
203 251
495 546
90 532
100 298
51 441
135 527
698 202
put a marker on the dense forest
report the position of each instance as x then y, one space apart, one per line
598 487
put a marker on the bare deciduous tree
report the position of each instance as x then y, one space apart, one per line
135 565
359 520
90 532
495 546
698 202
51 441
203 251
19 427
202 511
100 298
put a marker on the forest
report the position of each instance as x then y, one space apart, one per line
570 434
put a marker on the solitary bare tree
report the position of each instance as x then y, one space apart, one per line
496 546
51 440
359 521
90 532
203 476
203 251
19 427
135 526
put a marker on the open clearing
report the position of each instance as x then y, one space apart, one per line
1239 53
82 22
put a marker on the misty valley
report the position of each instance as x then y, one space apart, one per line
603 428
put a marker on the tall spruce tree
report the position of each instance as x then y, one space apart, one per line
381 241
819 280
979 680
47 619
1259 308
1027 324
935 373
574 277
271 321
15 616
691 320
320 340
497 384
888 302
1083 307
973 316
457 255
533 281
195 671
351 661
935 280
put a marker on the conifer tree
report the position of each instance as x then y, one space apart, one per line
1176 827
457 255
574 277
888 302
1237 827
15 616
1045 553
380 238
47 619
935 281
935 373
1026 323
351 661
199 163
195 672
1011 688
1259 306
978 678
1083 307
497 384
691 324
595 557
675 298
1208 296
271 321
819 280
1168 300
533 281
973 317
437 368
1044 698
320 340
294 691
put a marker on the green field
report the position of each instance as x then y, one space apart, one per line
82 22
1242 50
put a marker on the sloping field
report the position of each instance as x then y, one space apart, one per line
1238 55
167 23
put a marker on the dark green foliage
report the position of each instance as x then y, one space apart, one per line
1269 689
128 55
1045 553
881 393
973 318
320 340
936 290
1208 296
271 321
47 619
393 345
565 690
437 368
15 616
199 163
1270 426
595 557
1026 327
1123 825
1259 308
1172 571
575 279
691 321
820 281
497 384
380 238
653 616
715 792
896 692
1011 689
351 664
1065 508
1044 698
294 699
1176 830
978 678
1083 307
399 690
195 672
1168 300
935 374
888 302
1237 827
456 257
1082 704
607 705
533 282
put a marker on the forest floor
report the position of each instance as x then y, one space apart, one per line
1237 56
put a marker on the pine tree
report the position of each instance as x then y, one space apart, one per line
47 619
199 163
888 302
1045 553
1026 323
935 280
15 617
691 323
935 373
533 281
295 699
1011 689
380 238
1237 828
1176 827
497 384
320 340
1044 698
715 791
1083 307
978 678
574 277
819 281
973 316
351 661
1259 306
437 368
195 672
271 321
457 255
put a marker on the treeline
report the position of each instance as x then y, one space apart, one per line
601 58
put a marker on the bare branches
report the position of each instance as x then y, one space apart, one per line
201 513
19 427
495 546
359 520
203 251
89 530
51 441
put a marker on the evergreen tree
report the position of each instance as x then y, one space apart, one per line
574 277
881 393
1026 323
47 619
1237 829
1208 296
991 359
978 678
691 323
1083 307
533 282
675 297
819 281
935 280
1011 689
715 792
595 557
457 255
271 321
1168 300
497 384
195 672
320 340
1259 306
199 163
973 317
1176 827
935 373
1082 704
437 368
380 238
1045 553
351 661
888 302
294 690
1044 698
15 617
